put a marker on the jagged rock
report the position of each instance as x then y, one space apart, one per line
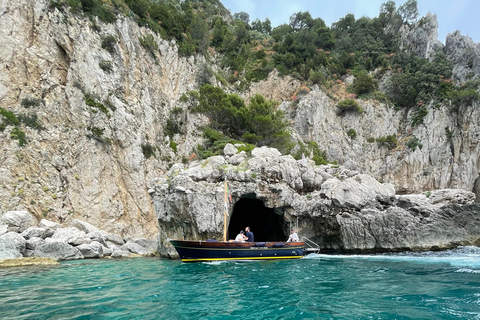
114 238
150 245
44 223
107 252
71 236
84 226
136 248
229 150
266 152
91 250
3 229
12 245
17 221
237 158
119 253
421 37
57 250
37 232
98 236
34 242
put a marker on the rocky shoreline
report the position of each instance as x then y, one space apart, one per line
22 237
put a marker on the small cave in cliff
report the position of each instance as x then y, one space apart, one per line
265 224
476 189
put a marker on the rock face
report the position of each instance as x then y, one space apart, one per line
340 209
67 171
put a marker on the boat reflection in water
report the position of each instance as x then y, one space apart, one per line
213 250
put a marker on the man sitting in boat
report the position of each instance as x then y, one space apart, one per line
293 236
241 237
249 234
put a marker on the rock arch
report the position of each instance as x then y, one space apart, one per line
267 224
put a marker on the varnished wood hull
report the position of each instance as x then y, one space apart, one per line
192 251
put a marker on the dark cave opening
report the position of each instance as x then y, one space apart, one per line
476 189
265 224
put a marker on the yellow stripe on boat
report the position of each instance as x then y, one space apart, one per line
243 258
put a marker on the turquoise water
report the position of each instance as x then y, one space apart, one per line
442 285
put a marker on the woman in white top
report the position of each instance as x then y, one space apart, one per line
241 237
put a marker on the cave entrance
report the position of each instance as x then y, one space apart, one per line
476 189
264 222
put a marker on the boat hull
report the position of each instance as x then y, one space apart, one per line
192 251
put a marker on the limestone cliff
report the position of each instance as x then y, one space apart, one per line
87 161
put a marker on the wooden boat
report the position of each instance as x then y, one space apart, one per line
213 250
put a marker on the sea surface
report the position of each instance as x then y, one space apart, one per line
432 285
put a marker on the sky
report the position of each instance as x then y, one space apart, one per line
452 15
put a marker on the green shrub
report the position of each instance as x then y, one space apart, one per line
363 83
183 98
413 143
96 133
352 133
259 123
3 126
348 105
97 8
90 101
448 133
389 141
173 145
108 43
371 140
149 43
319 156
148 150
9 118
106 66
19 135
31 102
30 121
418 117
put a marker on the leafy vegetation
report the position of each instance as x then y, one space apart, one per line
389 141
148 150
352 133
413 143
95 105
258 123
106 66
108 43
31 102
19 135
348 105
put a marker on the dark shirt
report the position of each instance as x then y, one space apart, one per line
249 235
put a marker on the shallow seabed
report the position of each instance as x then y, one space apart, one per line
441 285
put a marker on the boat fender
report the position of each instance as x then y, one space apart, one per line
279 245
259 244
211 240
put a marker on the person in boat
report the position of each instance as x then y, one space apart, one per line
293 236
249 234
241 237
